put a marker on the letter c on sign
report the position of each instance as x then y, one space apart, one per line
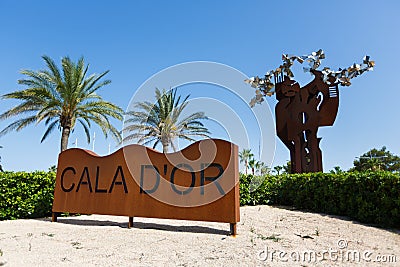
62 179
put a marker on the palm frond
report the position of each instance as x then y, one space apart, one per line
18 125
50 129
54 70
86 126
60 97
160 122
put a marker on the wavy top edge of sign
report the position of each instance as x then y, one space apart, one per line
189 147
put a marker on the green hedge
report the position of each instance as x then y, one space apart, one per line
26 194
369 197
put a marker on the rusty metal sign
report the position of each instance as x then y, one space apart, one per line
198 183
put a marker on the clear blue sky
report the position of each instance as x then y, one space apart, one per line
134 40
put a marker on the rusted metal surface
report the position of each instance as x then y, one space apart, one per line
302 110
233 229
299 113
198 183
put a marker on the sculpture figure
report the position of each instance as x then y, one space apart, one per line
300 111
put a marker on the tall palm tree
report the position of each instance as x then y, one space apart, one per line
257 166
1 167
245 155
62 98
161 123
264 169
252 165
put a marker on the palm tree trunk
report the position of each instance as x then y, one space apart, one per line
64 138
165 147
245 167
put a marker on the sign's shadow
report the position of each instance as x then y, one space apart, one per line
146 225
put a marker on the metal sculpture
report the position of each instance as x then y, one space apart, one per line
300 111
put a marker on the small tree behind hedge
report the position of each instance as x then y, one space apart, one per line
377 159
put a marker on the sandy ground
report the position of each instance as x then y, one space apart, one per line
267 236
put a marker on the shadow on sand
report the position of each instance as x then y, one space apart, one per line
142 225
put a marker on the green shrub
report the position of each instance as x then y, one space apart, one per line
26 195
370 197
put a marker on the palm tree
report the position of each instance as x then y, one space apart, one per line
161 123
278 169
1 167
245 155
261 168
62 98
252 165
336 170
264 169
257 166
